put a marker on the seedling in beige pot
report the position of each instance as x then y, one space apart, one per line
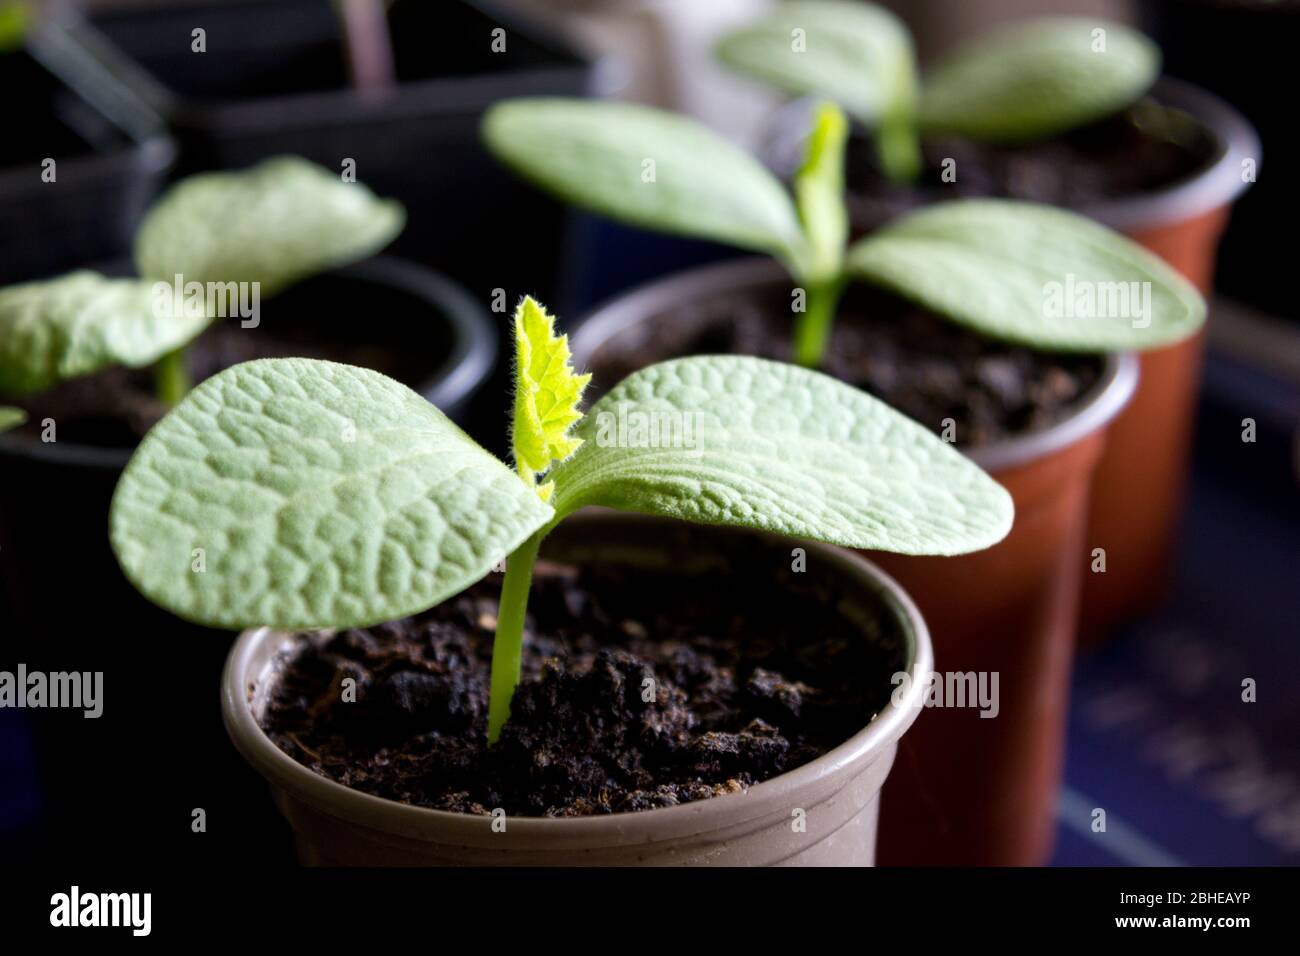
302 495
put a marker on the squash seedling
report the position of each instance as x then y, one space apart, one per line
1027 81
322 495
204 241
990 265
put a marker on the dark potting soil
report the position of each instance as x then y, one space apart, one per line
1144 148
928 368
739 690
327 318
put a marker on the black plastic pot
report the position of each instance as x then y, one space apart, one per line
1238 48
274 80
67 607
106 171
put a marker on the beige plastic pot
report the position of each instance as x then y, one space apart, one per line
823 813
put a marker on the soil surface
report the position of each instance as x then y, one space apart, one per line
1144 148
321 318
639 691
928 368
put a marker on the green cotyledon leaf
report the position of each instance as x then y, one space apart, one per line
647 167
547 394
306 494
58 329
1031 274
745 441
11 417
857 54
1037 78
278 222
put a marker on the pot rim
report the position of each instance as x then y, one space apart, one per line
1097 408
466 367
1215 185
625 828
1218 184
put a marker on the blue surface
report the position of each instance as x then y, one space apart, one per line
1160 736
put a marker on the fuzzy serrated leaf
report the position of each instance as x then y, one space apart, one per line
1037 78
547 393
647 167
781 448
58 329
858 54
11 417
318 495
1016 271
276 223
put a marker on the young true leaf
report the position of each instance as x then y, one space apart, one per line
307 494
819 193
547 394
1036 79
647 167
768 445
1031 274
857 54
11 417
62 328
819 190
274 224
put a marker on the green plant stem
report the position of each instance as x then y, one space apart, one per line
508 644
898 147
171 378
812 328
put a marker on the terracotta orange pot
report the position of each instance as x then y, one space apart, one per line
1142 478
967 789
981 790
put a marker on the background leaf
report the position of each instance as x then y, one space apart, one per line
857 54
11 417
62 328
784 449
278 222
1038 78
994 265
322 495
597 155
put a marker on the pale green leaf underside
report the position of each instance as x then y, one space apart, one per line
784 449
276 223
11 417
1031 274
321 495
58 329
857 54
646 167
1037 79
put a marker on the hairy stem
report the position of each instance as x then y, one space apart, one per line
898 147
812 328
171 377
508 644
